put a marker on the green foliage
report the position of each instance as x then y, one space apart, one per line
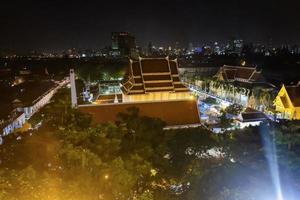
74 157
71 158
59 113
105 70
234 109
224 121
146 195
288 133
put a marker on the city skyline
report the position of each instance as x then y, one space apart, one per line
54 26
150 100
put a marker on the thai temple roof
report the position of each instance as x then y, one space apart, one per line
242 74
174 113
250 115
152 75
294 94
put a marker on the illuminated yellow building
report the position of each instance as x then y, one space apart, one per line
287 102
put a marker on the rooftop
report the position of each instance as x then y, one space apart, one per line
29 91
109 98
242 74
250 115
152 75
294 94
22 94
174 113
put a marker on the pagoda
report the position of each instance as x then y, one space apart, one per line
153 79
240 74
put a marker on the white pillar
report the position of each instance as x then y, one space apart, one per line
73 89
116 99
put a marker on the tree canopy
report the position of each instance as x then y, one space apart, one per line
69 157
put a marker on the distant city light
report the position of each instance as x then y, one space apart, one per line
243 63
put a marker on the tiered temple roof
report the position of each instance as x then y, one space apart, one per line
240 74
287 102
294 94
147 75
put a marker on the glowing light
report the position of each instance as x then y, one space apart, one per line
106 177
271 155
153 172
243 63
192 97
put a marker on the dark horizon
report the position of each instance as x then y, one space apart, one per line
55 25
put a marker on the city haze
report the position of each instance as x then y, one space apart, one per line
56 25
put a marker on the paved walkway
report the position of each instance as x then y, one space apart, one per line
200 92
193 88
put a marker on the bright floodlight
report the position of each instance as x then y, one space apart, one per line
271 155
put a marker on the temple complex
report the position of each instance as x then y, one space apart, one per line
153 86
287 102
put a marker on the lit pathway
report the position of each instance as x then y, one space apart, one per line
193 88
202 93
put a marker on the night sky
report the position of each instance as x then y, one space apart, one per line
55 25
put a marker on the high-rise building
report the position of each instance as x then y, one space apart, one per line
270 44
123 42
295 49
191 47
217 49
150 49
234 46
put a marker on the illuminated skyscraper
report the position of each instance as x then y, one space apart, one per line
234 46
